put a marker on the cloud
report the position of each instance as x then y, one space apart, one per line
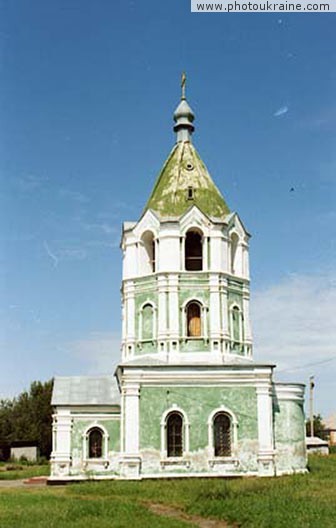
30 182
54 258
100 351
67 253
73 253
281 111
73 195
103 227
294 327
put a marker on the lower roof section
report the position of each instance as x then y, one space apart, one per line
85 390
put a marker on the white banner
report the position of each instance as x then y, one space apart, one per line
263 6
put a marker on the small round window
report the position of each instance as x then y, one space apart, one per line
189 166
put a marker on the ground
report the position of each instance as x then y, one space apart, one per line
297 501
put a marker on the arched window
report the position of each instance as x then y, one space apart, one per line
147 322
95 440
194 322
222 434
236 322
234 246
174 435
193 251
148 242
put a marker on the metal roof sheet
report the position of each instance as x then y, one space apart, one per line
85 390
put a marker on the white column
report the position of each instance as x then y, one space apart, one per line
130 316
247 322
214 307
205 253
131 393
182 253
224 300
173 310
265 429
162 312
123 330
130 458
245 257
61 455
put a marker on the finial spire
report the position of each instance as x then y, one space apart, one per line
183 115
183 85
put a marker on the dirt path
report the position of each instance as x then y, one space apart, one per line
19 483
169 511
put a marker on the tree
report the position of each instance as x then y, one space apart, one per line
28 417
319 426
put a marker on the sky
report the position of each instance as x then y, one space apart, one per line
87 94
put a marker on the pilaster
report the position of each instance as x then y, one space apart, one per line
61 455
130 462
130 317
265 429
215 327
162 313
173 303
246 321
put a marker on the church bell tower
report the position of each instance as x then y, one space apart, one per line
185 288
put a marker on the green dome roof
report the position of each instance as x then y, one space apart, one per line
185 181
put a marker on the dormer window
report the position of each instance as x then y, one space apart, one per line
190 194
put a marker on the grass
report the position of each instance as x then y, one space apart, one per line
16 470
296 501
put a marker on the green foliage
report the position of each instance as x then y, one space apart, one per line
28 418
319 426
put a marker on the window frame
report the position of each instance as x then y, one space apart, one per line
204 321
140 322
148 241
86 445
199 232
234 434
235 307
183 459
188 321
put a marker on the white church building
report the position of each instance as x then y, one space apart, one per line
187 398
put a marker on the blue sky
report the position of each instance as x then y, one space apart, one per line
87 95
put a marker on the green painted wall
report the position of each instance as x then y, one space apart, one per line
198 403
289 422
145 290
289 432
80 425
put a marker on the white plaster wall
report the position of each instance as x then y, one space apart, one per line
29 452
169 259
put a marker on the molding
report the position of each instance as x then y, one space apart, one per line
185 434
